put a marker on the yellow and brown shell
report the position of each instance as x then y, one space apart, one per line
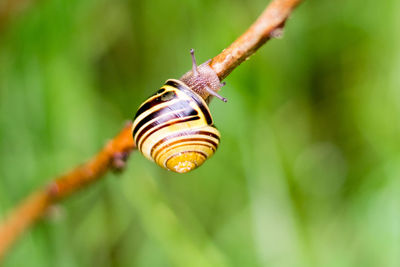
175 129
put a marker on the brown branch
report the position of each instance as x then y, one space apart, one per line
34 206
116 151
266 26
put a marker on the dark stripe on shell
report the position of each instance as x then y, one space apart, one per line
194 96
212 145
149 104
152 125
188 133
183 108
159 91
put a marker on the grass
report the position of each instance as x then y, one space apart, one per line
307 172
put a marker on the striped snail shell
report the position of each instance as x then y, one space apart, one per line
174 126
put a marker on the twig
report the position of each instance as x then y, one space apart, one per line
265 27
117 150
33 207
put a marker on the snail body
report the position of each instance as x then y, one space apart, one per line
174 127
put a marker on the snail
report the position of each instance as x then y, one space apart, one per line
174 127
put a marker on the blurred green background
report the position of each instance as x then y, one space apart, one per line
308 169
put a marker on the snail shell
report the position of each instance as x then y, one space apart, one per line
175 129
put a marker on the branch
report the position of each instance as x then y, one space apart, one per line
112 156
117 150
268 25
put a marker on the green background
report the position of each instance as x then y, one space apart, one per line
307 173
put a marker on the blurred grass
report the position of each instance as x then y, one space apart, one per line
307 173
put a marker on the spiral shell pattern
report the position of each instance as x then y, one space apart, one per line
175 129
